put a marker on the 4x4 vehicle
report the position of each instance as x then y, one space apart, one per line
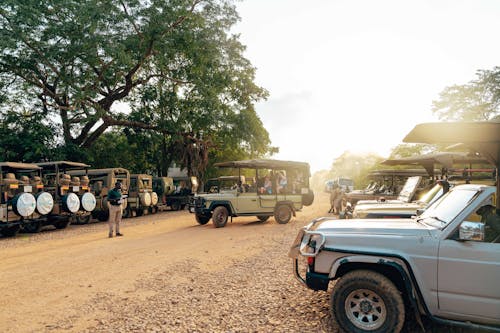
102 181
23 201
284 192
73 200
444 264
141 197
184 190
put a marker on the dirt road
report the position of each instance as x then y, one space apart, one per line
167 274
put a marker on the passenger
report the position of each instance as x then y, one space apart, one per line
268 185
282 183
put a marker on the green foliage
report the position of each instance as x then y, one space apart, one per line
24 137
189 89
478 100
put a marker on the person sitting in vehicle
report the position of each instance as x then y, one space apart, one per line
268 186
281 183
491 222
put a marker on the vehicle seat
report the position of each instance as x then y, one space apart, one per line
9 179
64 180
25 180
84 181
36 180
75 181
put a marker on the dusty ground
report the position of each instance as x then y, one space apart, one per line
167 274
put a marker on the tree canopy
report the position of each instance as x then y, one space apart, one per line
475 101
168 73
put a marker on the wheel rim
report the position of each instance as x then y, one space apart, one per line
221 217
365 309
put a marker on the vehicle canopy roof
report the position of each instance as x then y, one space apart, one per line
19 166
66 165
266 163
107 170
140 175
398 173
482 137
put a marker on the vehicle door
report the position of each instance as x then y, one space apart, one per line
469 277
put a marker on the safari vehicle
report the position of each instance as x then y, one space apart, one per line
248 196
163 187
141 197
184 189
400 209
73 200
102 181
23 200
387 268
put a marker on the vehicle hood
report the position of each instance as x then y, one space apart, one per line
399 227
389 207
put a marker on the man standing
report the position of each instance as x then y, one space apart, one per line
115 209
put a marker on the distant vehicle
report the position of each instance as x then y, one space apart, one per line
24 201
102 181
141 197
345 183
74 201
246 193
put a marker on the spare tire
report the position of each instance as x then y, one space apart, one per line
154 198
145 199
71 203
308 198
88 201
24 204
44 203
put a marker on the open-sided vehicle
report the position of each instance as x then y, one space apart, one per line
287 192
102 181
73 200
141 197
23 202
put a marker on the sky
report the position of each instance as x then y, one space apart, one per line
358 75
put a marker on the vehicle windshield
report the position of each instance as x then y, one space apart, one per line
432 195
446 208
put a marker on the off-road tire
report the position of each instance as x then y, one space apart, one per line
153 209
103 216
82 219
10 231
202 219
62 224
127 212
263 218
32 227
220 216
283 214
176 205
372 292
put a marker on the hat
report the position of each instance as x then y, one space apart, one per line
118 184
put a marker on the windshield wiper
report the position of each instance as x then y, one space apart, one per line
438 219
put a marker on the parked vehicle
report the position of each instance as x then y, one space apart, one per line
444 264
102 181
141 197
287 193
184 189
73 200
345 183
163 187
23 202
398 208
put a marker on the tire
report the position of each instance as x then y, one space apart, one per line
11 231
262 218
139 211
366 301
219 217
176 205
283 214
127 213
103 215
202 219
82 219
153 209
32 227
183 207
62 224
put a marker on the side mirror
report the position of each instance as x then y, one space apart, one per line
420 211
471 231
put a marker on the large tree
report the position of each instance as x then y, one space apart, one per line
174 62
475 101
